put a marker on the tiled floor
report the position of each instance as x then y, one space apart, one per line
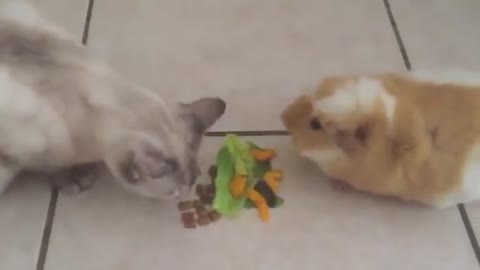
256 55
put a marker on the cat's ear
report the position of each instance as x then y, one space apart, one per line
203 113
141 162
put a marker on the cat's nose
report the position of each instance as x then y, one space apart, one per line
183 192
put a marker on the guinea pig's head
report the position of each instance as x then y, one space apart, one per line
162 162
308 133
331 125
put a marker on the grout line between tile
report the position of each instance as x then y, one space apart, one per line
470 231
401 45
47 230
86 26
247 133
408 66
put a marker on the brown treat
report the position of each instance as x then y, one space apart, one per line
207 200
214 216
203 221
184 206
188 220
200 190
201 211
197 203
209 190
191 225
212 172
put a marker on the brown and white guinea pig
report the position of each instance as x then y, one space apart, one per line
413 136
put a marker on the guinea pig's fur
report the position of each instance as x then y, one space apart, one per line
413 136
61 108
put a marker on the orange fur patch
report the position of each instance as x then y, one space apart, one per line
419 156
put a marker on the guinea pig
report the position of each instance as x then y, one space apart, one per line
412 136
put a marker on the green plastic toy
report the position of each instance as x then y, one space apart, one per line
249 164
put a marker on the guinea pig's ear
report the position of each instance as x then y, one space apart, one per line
203 113
297 113
140 162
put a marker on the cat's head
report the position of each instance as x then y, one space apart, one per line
163 164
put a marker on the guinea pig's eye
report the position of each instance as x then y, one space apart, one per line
315 124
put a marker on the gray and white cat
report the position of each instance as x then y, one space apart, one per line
62 110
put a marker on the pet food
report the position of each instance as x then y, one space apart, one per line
209 190
214 216
184 206
188 220
207 199
203 220
266 191
237 186
263 155
201 211
197 203
212 172
199 190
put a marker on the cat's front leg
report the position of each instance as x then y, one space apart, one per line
77 178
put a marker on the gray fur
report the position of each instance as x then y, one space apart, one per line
65 108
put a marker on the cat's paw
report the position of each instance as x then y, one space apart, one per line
77 179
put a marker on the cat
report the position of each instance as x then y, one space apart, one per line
64 112
413 136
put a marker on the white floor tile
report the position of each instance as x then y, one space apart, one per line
317 228
70 14
23 210
257 55
440 34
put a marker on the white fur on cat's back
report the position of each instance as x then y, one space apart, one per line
28 124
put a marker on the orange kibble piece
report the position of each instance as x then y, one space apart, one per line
237 186
254 196
273 175
263 154
261 204
263 212
273 184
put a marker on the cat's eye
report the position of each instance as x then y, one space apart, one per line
315 124
171 165
168 166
